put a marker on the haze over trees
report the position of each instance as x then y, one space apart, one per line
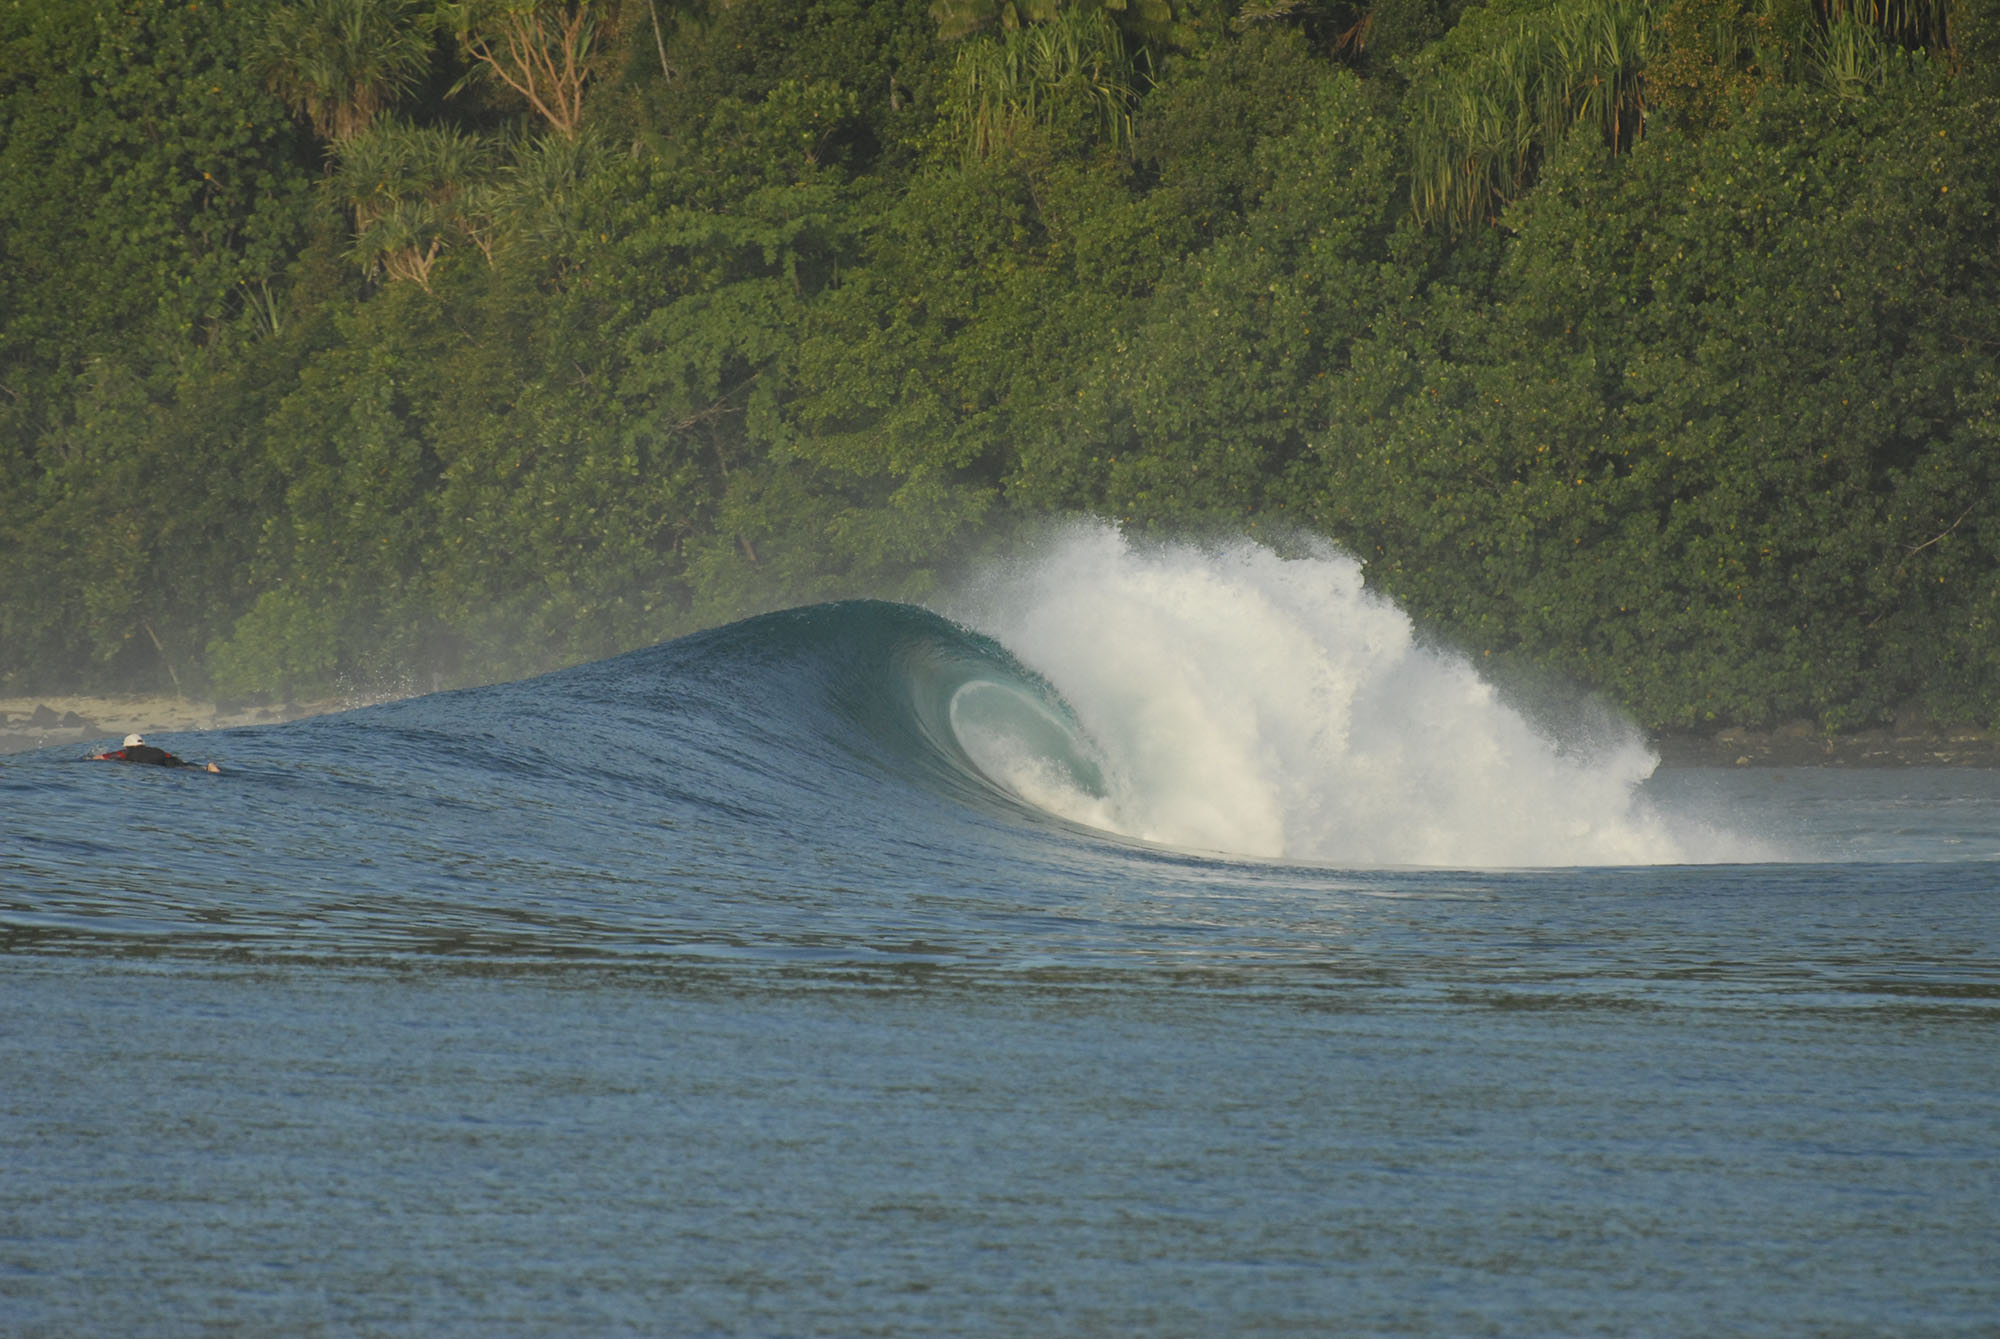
1655 343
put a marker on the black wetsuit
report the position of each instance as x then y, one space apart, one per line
147 753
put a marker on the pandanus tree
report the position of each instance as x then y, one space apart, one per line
1912 24
1074 68
536 198
1854 57
416 191
341 63
1490 101
1507 86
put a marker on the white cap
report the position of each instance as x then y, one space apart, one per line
130 740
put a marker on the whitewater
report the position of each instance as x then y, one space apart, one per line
1240 702
1140 938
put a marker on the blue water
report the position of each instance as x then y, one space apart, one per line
829 974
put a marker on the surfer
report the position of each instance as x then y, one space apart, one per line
136 749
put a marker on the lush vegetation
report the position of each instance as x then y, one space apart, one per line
1655 343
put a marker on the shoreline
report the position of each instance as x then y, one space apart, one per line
57 719
1800 745
50 721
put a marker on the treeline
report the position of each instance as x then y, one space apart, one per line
1655 343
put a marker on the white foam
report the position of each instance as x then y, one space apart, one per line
1249 704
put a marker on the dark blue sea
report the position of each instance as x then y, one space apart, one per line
1142 942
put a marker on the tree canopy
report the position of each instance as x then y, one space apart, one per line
1650 343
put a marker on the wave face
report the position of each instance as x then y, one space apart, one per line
1239 702
840 708
784 788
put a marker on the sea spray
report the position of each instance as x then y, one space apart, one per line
1245 703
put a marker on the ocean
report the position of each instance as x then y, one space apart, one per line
1140 941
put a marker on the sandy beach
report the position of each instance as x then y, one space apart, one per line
50 720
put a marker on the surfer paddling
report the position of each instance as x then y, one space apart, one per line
136 749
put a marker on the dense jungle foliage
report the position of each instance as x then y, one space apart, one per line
1653 344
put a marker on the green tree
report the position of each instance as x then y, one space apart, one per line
1193 411
1072 74
144 182
415 192
1199 130
338 572
1510 82
342 63
1711 441
149 190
